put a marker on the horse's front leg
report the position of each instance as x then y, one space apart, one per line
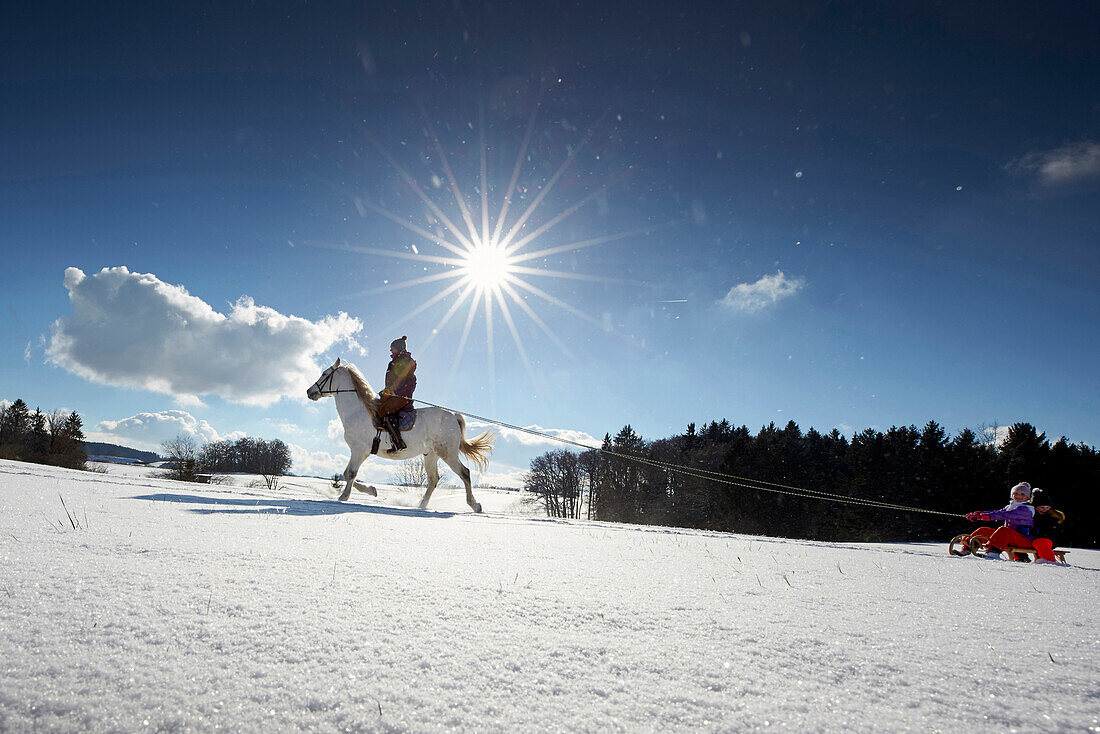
357 459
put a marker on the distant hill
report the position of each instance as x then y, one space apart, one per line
94 448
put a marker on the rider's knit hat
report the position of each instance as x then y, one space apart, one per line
399 344
1021 487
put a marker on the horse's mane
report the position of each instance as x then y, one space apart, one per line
362 388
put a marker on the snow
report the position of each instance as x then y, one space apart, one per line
189 607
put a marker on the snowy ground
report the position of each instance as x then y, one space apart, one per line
186 607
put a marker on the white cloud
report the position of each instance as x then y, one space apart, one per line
134 330
148 431
1064 165
769 290
335 430
316 463
502 477
283 426
510 434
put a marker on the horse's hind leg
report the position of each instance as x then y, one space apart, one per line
357 459
431 466
461 470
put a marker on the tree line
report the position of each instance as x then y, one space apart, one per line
187 460
56 437
916 467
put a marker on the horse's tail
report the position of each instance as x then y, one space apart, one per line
477 448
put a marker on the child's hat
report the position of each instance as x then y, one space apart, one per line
1021 487
399 344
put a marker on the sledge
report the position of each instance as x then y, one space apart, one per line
964 545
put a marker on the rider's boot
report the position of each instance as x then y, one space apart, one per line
390 422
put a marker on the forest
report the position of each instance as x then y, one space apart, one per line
55 437
732 480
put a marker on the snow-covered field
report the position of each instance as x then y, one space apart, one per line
187 607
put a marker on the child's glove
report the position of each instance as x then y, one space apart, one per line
977 516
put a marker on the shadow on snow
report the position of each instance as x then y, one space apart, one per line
239 506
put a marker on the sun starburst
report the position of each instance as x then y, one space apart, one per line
486 266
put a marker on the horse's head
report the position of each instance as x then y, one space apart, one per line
323 386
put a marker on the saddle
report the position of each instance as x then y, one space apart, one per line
406 418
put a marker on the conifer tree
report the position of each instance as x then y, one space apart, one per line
70 445
1024 453
16 422
73 429
36 440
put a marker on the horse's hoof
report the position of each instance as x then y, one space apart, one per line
344 496
477 507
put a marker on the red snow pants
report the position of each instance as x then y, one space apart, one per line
1003 537
1044 548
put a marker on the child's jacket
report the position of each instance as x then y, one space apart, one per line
1020 516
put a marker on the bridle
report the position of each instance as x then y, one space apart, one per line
326 379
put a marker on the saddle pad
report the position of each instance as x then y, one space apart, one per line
405 420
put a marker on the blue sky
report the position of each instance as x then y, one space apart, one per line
832 213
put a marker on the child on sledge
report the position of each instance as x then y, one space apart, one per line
1018 529
1048 524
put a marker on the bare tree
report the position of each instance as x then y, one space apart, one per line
272 461
181 453
557 481
412 473
990 434
55 420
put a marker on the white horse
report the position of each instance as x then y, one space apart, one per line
436 434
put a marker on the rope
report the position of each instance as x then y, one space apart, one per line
723 478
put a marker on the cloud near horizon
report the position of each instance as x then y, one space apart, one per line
316 463
510 434
769 290
133 330
1063 165
505 476
147 431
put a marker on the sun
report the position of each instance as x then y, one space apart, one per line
487 266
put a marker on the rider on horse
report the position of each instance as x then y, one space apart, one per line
400 383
